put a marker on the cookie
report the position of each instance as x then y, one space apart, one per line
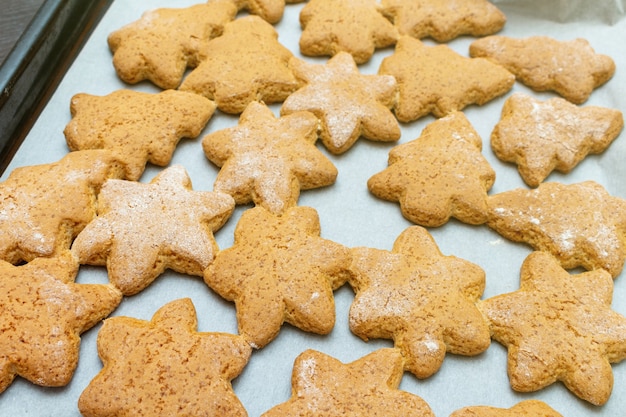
164 42
43 312
349 104
165 367
137 127
280 270
142 229
353 26
269 10
421 299
581 224
35 217
267 160
437 80
439 175
245 64
323 386
570 68
444 20
526 408
559 327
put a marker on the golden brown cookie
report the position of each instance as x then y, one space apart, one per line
137 127
542 136
269 10
43 312
526 408
43 207
267 159
421 299
165 367
437 80
349 104
142 229
439 175
325 387
280 270
444 20
570 68
164 42
245 64
354 26
581 224
559 327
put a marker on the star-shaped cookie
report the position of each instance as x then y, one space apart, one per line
280 270
439 175
542 136
43 207
137 127
581 224
43 312
526 408
268 160
164 42
437 80
349 104
165 367
245 64
269 10
354 26
325 387
142 229
570 68
423 300
444 20
559 327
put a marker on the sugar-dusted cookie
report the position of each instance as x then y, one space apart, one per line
164 42
581 224
325 387
280 270
526 408
444 20
267 159
137 127
43 312
421 299
142 229
559 327
439 175
43 207
570 68
542 136
354 26
349 104
246 63
437 80
165 367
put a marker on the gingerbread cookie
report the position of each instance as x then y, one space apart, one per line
439 175
559 327
35 217
269 10
137 127
551 135
526 408
165 42
421 299
325 387
581 224
349 104
245 64
437 80
570 68
443 20
165 367
142 229
354 26
43 312
280 270
268 160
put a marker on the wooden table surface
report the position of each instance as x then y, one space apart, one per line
14 19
